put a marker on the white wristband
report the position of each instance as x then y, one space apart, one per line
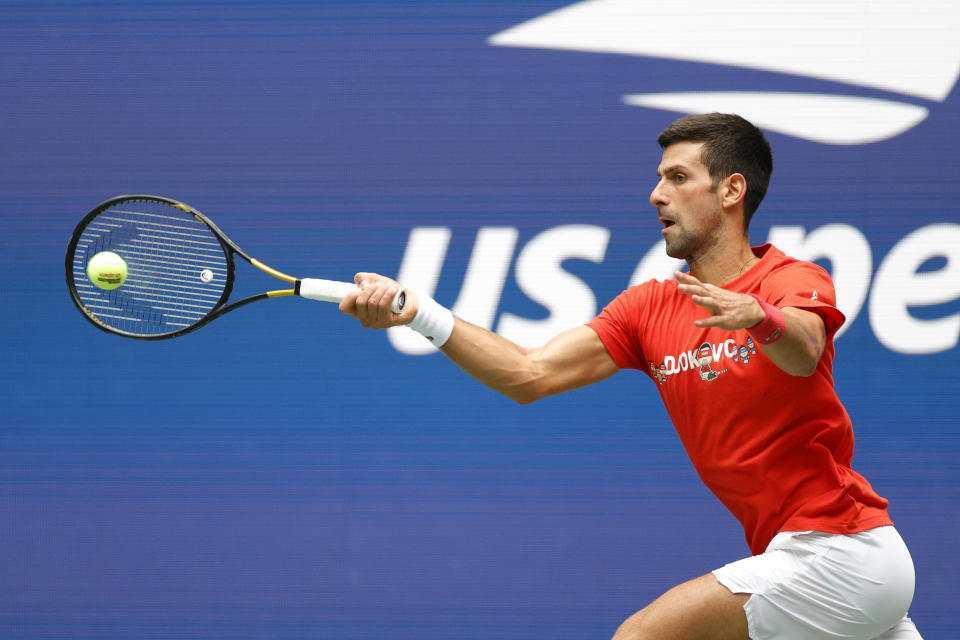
433 321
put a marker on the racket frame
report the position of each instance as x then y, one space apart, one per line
230 249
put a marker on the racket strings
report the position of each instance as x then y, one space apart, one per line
166 250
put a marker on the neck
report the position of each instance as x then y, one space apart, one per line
723 263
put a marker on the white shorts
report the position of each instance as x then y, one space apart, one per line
810 585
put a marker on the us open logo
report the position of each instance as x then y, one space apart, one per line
878 67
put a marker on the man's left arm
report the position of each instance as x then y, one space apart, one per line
797 351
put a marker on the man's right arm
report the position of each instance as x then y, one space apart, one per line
573 359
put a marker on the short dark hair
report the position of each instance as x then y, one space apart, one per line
731 145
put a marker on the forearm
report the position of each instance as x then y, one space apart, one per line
570 360
493 360
792 338
497 362
516 372
573 359
799 349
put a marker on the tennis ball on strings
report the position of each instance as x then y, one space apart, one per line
107 270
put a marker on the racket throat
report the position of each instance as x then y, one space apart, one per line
273 272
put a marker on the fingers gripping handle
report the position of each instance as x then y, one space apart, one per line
334 291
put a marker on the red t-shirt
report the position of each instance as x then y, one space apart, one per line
774 448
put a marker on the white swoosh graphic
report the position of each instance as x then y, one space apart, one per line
910 48
818 117
906 47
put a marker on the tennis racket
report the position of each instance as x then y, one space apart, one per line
180 269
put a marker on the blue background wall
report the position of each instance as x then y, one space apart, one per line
284 473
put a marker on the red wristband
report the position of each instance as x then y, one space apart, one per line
770 329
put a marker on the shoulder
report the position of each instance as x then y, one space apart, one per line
790 282
789 271
631 308
651 288
637 300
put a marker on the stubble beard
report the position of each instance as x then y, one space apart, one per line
680 244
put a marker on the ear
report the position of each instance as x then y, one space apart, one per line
733 191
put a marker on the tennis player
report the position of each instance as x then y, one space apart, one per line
741 351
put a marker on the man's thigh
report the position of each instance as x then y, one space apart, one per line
809 584
701 609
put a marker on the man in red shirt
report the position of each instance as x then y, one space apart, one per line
741 351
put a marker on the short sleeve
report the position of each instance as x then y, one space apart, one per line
807 286
618 326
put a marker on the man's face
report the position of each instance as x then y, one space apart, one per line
688 206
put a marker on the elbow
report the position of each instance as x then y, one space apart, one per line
804 370
534 380
528 394
530 391
523 398
806 366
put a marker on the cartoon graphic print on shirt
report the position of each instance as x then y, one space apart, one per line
703 358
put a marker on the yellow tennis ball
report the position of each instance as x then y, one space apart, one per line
107 270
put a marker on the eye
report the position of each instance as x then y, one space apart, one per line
679 177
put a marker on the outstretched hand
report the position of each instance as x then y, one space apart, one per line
728 310
370 304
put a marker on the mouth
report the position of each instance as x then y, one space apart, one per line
666 222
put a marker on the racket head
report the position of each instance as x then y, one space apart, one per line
167 245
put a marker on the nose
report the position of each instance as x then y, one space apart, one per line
657 197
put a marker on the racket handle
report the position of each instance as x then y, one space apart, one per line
334 291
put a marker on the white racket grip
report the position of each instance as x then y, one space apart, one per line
335 291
